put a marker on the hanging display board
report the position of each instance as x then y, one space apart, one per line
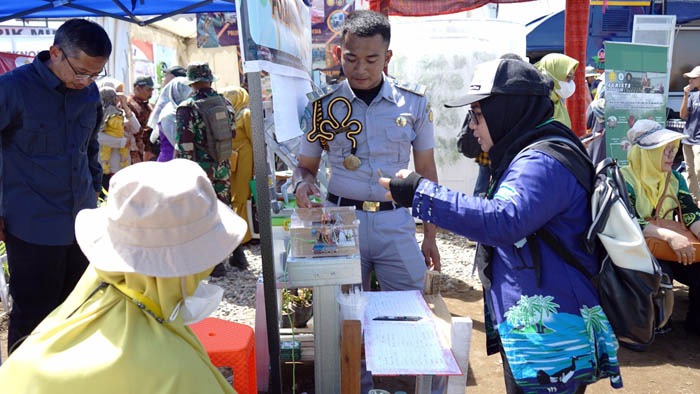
635 79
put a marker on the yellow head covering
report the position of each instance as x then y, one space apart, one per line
647 179
105 343
237 96
558 66
239 99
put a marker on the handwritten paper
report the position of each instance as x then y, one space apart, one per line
395 303
404 347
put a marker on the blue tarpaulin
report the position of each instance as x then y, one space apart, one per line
546 34
142 12
684 10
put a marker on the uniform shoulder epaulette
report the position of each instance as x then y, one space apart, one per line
411 87
319 93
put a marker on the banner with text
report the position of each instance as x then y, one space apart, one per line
23 40
635 76
217 29
277 36
327 17
10 61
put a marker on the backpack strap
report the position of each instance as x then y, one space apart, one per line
560 149
614 188
556 245
610 168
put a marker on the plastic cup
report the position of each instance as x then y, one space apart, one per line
351 307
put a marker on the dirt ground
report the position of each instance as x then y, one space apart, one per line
670 365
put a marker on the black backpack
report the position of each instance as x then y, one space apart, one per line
636 302
219 130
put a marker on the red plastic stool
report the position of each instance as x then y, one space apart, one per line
232 345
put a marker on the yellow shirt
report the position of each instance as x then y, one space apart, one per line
105 343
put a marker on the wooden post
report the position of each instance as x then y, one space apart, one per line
431 283
350 353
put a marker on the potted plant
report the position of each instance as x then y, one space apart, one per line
297 307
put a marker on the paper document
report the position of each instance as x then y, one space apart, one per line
404 346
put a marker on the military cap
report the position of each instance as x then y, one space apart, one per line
144 81
197 72
177 71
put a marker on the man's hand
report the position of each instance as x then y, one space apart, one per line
429 247
2 229
304 190
148 156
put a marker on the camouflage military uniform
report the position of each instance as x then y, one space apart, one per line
192 144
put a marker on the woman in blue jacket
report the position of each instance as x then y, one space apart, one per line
542 314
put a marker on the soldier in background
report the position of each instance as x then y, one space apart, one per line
193 138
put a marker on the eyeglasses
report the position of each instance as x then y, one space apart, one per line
475 116
81 77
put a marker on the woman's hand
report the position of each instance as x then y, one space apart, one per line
385 181
683 248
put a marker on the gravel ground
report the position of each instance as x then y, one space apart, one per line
456 252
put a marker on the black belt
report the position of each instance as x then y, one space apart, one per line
368 206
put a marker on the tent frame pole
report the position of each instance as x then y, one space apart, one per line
264 225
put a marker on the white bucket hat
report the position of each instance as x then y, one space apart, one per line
161 219
648 134
694 73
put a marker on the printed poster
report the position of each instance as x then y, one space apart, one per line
275 36
635 79
142 59
10 61
327 18
217 29
163 58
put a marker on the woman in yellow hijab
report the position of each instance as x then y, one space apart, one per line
123 329
561 69
650 165
241 163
